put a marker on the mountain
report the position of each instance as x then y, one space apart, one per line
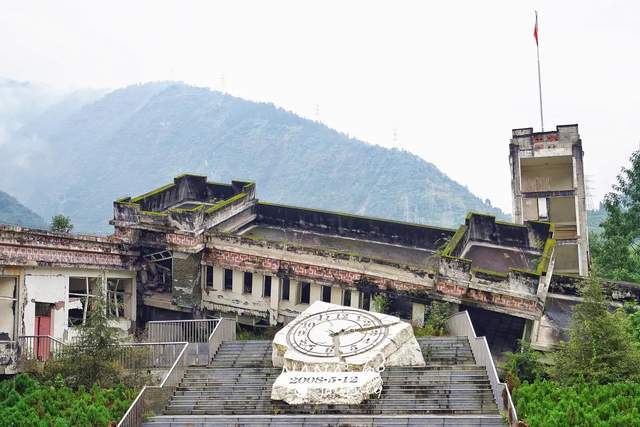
137 138
596 217
12 212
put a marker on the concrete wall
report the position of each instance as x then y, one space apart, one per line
271 308
51 285
542 174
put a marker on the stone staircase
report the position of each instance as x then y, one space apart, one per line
235 389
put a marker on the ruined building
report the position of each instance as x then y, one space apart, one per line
197 249
547 182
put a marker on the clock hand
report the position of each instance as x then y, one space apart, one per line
368 328
336 345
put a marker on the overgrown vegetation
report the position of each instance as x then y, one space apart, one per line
61 224
436 320
616 250
380 303
601 348
523 365
594 377
86 383
247 333
547 403
95 357
26 402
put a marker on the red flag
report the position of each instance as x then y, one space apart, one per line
535 29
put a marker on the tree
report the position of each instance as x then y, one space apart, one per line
61 224
601 348
436 324
523 365
616 252
93 358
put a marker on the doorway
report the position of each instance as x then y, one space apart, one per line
43 331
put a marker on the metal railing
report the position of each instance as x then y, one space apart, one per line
38 347
224 331
152 399
152 355
460 325
191 331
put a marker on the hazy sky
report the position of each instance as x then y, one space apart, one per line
451 78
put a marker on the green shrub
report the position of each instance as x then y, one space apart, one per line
523 365
436 324
600 348
546 403
27 402
380 303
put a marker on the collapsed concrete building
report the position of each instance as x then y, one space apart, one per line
197 249
47 281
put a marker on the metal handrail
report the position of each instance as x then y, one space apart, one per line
158 355
38 347
156 397
193 330
134 415
460 324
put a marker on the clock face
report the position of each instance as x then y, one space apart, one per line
312 335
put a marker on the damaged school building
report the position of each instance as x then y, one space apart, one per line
198 249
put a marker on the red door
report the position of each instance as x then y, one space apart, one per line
43 331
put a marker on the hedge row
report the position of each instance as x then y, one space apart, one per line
545 403
26 402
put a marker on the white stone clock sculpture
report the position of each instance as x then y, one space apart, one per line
334 354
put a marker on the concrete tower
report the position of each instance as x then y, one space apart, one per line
547 183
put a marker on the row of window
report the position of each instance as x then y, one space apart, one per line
304 293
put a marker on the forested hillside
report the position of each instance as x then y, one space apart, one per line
137 138
12 212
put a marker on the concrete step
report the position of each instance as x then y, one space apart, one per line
325 420
239 379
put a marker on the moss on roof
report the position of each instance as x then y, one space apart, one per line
152 193
226 202
454 241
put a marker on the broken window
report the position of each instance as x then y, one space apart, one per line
208 283
81 290
8 298
117 297
247 284
228 279
286 284
346 298
326 293
267 286
305 292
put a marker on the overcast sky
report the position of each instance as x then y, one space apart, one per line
448 79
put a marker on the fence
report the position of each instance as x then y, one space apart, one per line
460 325
38 347
154 398
193 331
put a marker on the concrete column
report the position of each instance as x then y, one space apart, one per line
315 293
355 298
256 286
274 304
294 292
336 295
417 314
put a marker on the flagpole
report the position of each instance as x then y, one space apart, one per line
539 77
